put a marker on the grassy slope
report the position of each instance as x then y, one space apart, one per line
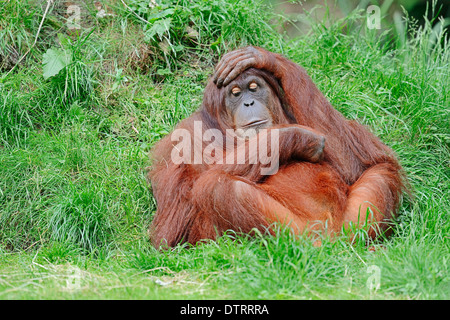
74 203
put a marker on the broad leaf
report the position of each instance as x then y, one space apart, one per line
54 61
159 28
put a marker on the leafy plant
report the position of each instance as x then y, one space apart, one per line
17 21
54 61
177 29
68 71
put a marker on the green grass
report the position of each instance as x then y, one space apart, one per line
74 201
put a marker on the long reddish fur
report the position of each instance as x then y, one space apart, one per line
201 201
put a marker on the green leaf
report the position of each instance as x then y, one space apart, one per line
159 27
54 61
217 42
164 72
178 48
159 15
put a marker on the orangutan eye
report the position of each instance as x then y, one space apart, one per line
236 91
253 86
